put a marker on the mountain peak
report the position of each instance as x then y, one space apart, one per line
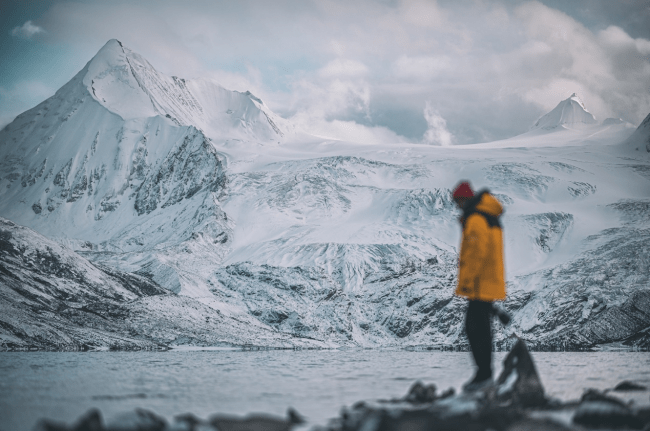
113 78
111 49
110 56
569 113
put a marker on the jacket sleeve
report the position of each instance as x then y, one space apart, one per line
473 249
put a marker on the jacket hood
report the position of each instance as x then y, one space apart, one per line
484 202
489 205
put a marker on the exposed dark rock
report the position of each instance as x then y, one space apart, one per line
581 189
419 393
598 410
594 395
603 414
529 424
519 380
138 284
629 386
186 422
295 417
419 410
550 228
91 421
257 422
48 425
177 178
62 176
463 412
137 420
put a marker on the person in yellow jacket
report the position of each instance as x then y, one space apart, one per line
481 276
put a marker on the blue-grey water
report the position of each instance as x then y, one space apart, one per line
317 384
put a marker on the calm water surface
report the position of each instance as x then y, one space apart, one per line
316 383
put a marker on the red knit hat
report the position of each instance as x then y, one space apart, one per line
463 190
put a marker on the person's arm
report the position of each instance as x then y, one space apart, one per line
473 249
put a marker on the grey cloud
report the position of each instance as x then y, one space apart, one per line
487 69
27 30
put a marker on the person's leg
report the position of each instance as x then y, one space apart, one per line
478 326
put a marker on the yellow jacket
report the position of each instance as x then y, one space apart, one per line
481 274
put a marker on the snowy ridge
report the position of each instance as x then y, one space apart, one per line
640 139
259 236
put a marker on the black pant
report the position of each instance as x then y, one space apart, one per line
478 326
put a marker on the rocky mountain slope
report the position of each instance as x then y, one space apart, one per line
53 298
276 238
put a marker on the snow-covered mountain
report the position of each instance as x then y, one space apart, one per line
569 113
225 209
126 84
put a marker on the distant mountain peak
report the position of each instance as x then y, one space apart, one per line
569 113
126 84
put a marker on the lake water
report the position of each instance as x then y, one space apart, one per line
317 384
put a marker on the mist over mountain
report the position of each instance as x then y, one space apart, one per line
219 224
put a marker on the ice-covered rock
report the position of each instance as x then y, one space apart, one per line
601 411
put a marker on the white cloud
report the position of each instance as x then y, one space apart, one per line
330 100
27 30
437 133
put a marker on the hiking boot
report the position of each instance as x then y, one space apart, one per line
478 385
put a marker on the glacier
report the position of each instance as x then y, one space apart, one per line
141 211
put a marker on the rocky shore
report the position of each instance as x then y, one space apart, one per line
517 401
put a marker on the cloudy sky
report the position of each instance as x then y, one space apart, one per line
445 72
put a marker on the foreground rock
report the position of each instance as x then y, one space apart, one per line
144 420
602 411
519 381
516 402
